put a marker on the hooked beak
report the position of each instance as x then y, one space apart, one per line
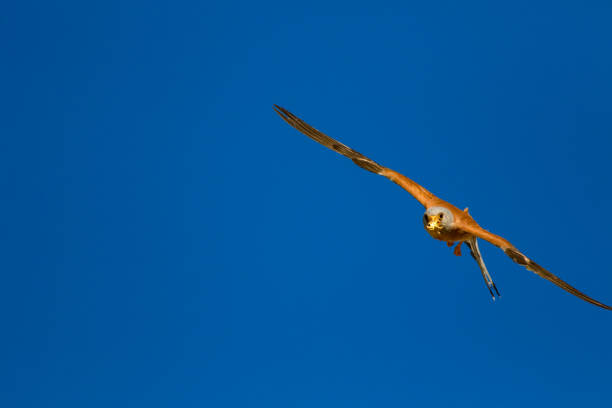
433 223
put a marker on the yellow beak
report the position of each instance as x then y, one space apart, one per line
434 223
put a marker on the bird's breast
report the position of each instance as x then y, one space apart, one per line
453 235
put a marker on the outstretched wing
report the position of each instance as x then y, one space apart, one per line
421 194
470 226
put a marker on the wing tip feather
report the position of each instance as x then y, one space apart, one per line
521 259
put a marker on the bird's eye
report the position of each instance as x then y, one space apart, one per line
441 215
425 218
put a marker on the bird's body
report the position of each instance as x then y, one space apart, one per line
451 236
442 220
439 222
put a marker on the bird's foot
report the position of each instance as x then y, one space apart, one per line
457 250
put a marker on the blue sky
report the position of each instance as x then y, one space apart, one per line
170 242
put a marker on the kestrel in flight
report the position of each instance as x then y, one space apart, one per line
442 220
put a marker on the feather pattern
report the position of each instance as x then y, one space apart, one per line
464 228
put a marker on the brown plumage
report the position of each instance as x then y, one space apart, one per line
460 228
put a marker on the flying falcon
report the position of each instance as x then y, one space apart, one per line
442 220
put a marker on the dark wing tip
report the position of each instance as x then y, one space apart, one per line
320 137
281 111
284 113
521 259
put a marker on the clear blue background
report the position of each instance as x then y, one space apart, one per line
168 241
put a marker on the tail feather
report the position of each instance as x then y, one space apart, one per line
472 243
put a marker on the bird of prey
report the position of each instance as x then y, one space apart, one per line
442 220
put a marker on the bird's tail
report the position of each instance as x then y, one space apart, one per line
472 243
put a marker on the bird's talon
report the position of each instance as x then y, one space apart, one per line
457 250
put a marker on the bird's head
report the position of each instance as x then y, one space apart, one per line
438 219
